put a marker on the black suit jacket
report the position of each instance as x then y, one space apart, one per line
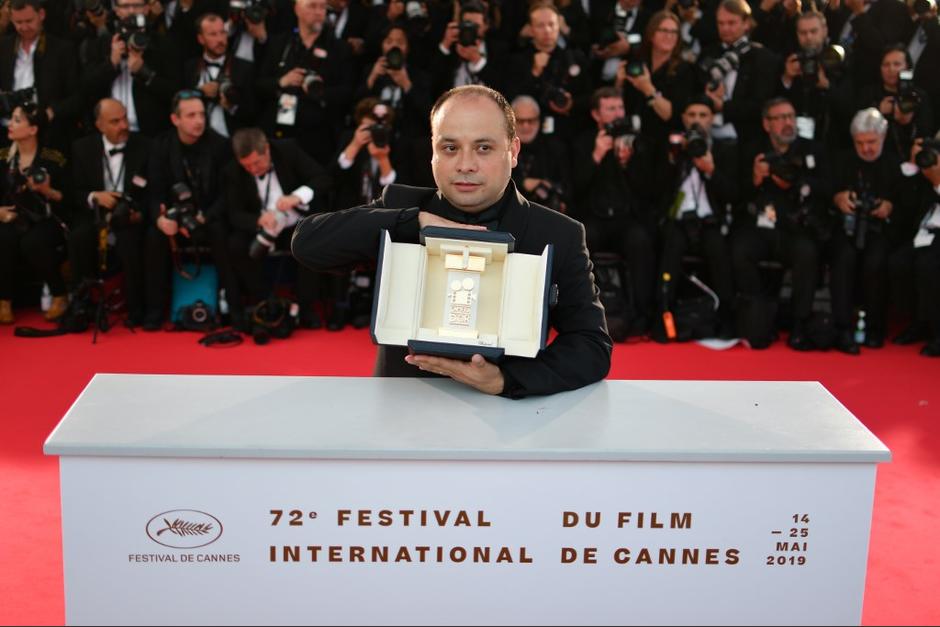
88 170
293 167
55 67
578 356
721 188
241 73
213 153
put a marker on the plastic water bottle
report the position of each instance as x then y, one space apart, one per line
223 304
860 328
45 302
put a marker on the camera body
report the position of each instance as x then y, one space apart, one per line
551 196
197 317
923 7
133 31
908 97
381 134
469 33
621 127
274 317
228 89
182 208
696 141
38 174
395 58
787 167
254 11
857 224
635 68
927 157
557 96
122 215
716 69
313 84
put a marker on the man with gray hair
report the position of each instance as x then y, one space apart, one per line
543 173
866 182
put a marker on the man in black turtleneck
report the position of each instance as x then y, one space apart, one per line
475 148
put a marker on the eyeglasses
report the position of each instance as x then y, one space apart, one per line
782 116
667 31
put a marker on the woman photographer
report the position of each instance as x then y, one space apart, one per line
31 210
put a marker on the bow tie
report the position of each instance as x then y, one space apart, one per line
116 151
214 64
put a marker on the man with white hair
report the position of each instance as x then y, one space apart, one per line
543 173
866 184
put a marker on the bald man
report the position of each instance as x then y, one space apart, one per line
109 177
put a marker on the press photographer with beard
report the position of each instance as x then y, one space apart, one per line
543 174
269 188
787 193
867 183
612 182
109 174
32 210
475 149
701 187
188 158
224 79
135 66
304 83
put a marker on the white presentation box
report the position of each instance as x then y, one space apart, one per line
461 292
358 501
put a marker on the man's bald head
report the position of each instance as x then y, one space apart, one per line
111 120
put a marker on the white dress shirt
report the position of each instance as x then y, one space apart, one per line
23 76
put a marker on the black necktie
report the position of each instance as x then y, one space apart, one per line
116 151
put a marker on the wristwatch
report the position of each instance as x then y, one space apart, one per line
652 97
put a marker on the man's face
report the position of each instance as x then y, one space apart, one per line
28 22
544 23
697 114
527 122
125 8
608 110
868 145
395 39
780 124
811 33
257 163
472 156
311 13
213 37
891 66
731 27
190 122
629 4
112 122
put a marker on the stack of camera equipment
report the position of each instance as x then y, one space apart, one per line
716 69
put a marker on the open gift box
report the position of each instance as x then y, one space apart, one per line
461 292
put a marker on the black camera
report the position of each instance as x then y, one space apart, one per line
182 209
228 89
381 134
274 317
635 68
787 167
927 157
313 85
122 215
857 224
10 100
38 174
696 141
395 58
908 97
469 33
830 59
620 127
716 69
557 96
607 37
133 31
551 196
923 7
254 11
196 317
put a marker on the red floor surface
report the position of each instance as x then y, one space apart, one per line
893 391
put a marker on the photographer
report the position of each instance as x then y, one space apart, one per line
543 173
815 81
701 186
612 168
867 183
467 53
268 190
35 60
775 21
906 106
923 37
186 200
864 28
393 80
109 174
135 66
32 211
740 76
304 83
556 77
785 193
224 79
617 38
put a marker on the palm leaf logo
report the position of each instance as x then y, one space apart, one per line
185 528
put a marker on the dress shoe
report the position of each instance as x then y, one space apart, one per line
310 319
57 308
874 340
152 323
799 341
846 343
916 332
337 320
6 312
932 349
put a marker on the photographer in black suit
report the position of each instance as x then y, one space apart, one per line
224 79
35 59
867 184
273 185
475 148
701 186
460 59
109 175
186 200
544 171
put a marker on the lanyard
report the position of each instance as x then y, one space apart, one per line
111 182
267 190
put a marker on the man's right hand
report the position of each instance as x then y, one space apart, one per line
451 33
7 214
426 219
108 200
845 201
210 89
761 170
118 50
166 226
603 144
267 221
294 78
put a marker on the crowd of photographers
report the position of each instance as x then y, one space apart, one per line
740 143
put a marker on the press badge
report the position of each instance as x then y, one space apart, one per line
767 218
548 125
139 181
287 110
806 127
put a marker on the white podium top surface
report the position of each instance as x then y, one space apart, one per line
430 419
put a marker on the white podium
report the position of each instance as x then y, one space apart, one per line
290 500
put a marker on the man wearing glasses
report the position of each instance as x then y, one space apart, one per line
543 174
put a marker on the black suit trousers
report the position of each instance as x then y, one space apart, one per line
866 268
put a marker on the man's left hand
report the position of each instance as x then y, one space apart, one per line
477 373
286 203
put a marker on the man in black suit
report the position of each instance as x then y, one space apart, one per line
475 149
457 62
273 185
109 177
34 58
923 37
864 28
225 79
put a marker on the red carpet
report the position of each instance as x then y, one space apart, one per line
893 391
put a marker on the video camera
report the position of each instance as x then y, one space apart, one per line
254 11
10 100
182 209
